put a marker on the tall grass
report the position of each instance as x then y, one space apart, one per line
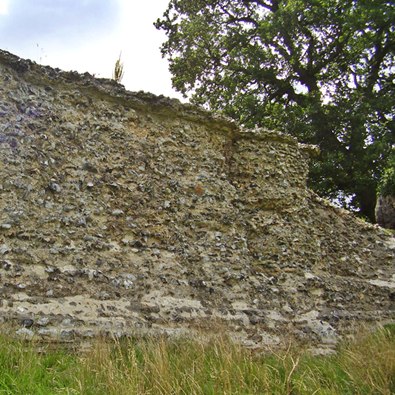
163 366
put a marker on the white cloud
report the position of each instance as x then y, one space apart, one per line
88 36
60 21
4 7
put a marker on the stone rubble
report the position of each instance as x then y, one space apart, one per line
127 213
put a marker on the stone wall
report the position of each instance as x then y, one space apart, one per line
129 213
385 211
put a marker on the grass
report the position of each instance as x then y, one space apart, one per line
163 366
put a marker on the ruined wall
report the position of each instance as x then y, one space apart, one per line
124 212
385 211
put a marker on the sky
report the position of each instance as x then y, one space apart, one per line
89 35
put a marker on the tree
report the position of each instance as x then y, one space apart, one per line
321 70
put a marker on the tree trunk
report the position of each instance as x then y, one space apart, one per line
367 202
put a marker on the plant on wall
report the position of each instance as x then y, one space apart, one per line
118 70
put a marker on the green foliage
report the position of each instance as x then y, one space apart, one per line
387 183
321 70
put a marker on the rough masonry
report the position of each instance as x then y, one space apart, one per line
129 213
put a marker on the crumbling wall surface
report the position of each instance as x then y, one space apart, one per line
125 212
385 211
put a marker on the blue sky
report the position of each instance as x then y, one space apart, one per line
88 35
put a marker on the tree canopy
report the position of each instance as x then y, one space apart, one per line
321 70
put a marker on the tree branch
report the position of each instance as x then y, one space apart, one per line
271 7
377 59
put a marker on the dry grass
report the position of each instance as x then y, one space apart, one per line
118 70
164 366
